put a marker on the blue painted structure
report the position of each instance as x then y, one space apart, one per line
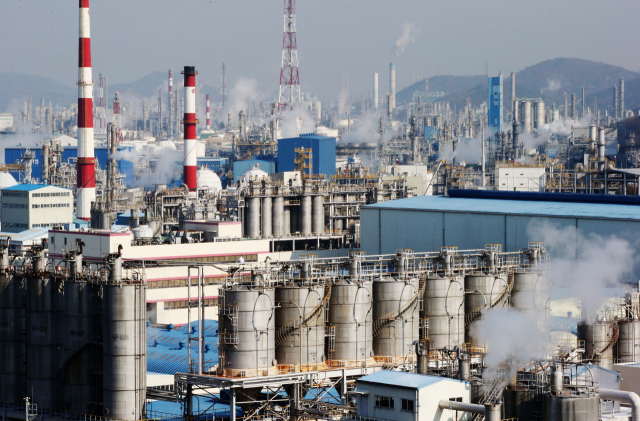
239 167
323 153
167 351
429 132
495 103
213 163
546 197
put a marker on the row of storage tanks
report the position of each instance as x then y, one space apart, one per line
609 341
255 314
75 345
269 216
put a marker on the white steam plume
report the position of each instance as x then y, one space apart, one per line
167 168
409 31
552 86
295 122
366 130
468 150
243 93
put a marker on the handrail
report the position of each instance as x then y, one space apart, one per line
475 314
386 320
289 328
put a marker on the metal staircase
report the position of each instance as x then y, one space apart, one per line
476 313
386 320
612 341
288 329
491 396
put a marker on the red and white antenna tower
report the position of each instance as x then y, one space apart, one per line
85 165
289 77
223 87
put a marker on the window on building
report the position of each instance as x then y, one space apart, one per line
455 399
407 405
384 402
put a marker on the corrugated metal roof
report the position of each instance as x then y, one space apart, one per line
398 378
512 207
26 187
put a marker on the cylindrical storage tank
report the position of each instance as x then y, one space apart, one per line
124 332
305 215
267 222
339 224
395 340
43 334
253 227
596 337
540 114
570 408
286 221
248 330
12 344
318 214
526 116
295 343
80 305
482 286
443 306
628 341
350 313
531 294
278 216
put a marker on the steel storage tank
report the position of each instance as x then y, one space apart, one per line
526 116
124 350
80 307
597 336
628 347
318 214
395 315
43 334
286 221
253 222
350 313
540 114
296 344
570 408
267 222
531 294
443 306
278 216
482 289
12 349
247 330
305 215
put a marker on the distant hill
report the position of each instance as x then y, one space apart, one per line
144 87
549 80
443 83
16 88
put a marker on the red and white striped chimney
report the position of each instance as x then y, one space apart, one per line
190 176
85 167
208 115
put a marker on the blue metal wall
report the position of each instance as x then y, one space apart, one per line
239 167
495 102
323 150
213 163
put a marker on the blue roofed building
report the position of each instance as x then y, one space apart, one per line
323 150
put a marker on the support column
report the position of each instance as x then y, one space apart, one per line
232 405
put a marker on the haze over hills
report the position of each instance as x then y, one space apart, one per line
549 80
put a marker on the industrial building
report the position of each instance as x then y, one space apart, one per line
321 160
470 222
36 205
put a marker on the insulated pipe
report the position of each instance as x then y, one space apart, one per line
190 158
602 143
462 406
376 100
85 166
621 396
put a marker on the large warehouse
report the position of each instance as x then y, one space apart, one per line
427 223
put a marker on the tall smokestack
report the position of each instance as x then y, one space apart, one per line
566 107
615 102
190 177
375 91
622 98
171 104
85 166
392 87
513 96
208 115
584 104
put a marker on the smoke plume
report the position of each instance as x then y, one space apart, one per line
409 31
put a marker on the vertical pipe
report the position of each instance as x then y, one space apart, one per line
305 215
513 95
602 143
201 317
483 157
190 121
622 98
278 216
85 166
267 222
392 87
171 104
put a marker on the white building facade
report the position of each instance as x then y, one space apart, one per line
26 206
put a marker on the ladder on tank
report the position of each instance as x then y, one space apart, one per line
231 312
476 314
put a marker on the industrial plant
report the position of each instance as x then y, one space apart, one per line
400 255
